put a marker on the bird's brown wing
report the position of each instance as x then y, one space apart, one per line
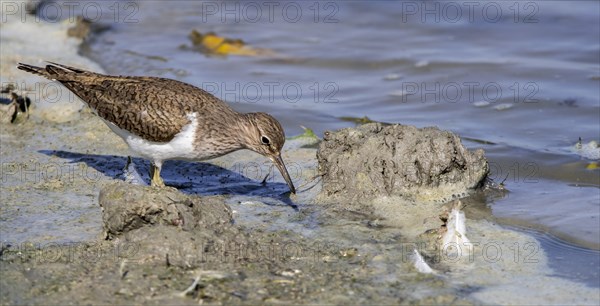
141 107
155 109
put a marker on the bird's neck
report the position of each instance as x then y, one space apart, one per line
243 129
226 133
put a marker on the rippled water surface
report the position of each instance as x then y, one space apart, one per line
520 80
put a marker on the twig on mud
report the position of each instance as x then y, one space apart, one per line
504 180
191 288
122 269
319 175
264 181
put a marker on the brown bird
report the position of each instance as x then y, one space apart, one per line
162 119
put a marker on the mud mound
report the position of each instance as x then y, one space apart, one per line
128 207
374 160
167 226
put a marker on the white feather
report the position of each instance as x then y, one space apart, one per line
455 235
420 263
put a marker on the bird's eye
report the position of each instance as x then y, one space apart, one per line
265 140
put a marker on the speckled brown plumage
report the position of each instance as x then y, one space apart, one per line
152 108
157 109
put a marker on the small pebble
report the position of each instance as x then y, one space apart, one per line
397 93
392 77
503 106
422 63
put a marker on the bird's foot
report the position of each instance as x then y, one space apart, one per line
157 182
155 179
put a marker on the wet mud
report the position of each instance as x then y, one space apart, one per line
220 234
162 246
375 160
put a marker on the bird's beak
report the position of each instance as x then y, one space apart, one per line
278 161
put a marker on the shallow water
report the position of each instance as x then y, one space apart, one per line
540 70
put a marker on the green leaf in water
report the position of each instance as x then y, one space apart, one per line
308 133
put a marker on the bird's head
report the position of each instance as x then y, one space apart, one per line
265 136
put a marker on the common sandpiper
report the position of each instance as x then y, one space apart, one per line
162 119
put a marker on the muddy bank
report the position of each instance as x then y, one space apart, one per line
162 246
166 247
249 244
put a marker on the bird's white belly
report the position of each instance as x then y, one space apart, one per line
180 147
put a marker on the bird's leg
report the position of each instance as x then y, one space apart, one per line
127 164
126 169
155 179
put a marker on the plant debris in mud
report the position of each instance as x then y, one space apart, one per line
14 107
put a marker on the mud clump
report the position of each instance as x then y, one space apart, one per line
165 225
85 29
128 207
375 160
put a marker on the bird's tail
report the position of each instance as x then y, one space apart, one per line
33 69
53 71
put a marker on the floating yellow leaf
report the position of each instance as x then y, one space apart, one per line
212 43
592 166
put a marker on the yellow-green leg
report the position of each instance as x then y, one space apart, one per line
155 179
